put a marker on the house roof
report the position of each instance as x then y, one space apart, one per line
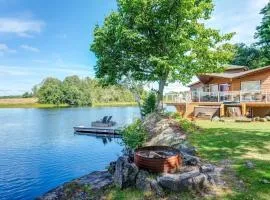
204 78
193 84
235 67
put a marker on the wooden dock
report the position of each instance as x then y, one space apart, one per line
97 131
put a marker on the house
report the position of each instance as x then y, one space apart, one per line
237 91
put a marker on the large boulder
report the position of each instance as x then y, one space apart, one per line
147 184
180 182
111 167
165 132
142 181
187 148
90 186
189 159
125 173
207 168
150 121
155 187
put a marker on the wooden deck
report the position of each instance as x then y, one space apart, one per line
258 108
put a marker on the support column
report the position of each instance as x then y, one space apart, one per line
222 110
244 109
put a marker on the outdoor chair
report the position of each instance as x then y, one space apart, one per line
104 120
109 119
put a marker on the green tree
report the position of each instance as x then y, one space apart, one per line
263 34
72 91
149 104
159 41
27 95
250 56
51 91
80 92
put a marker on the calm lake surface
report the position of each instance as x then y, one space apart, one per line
39 151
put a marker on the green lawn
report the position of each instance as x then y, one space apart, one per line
238 142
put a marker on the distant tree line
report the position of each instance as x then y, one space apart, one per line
82 92
257 54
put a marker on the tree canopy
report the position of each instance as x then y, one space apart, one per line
83 92
257 54
250 56
263 30
263 34
159 41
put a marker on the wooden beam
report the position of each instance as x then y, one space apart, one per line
244 109
222 110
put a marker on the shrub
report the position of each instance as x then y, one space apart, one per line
149 104
134 135
185 124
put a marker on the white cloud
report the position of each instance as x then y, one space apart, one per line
30 48
5 49
21 27
242 17
257 4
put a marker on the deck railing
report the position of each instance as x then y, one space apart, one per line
230 96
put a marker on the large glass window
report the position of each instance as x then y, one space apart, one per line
224 87
214 88
250 85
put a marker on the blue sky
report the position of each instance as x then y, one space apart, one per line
51 38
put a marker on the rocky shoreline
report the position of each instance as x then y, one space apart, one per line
195 175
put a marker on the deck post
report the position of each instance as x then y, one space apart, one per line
218 96
240 96
244 109
222 110
199 96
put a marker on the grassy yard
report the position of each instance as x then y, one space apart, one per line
218 141
238 142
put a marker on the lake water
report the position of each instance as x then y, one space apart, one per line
39 151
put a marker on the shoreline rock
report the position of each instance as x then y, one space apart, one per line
89 186
123 173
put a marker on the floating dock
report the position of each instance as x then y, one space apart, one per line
96 130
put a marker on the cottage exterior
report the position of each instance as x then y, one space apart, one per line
237 88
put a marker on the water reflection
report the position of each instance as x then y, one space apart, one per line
105 138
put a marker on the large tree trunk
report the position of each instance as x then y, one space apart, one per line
161 86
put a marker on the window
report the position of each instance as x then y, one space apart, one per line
224 87
214 88
250 85
206 88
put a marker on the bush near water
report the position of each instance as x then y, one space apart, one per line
134 135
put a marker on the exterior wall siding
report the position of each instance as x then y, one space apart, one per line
263 76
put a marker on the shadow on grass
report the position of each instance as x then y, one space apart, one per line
239 145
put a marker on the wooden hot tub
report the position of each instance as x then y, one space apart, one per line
158 159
